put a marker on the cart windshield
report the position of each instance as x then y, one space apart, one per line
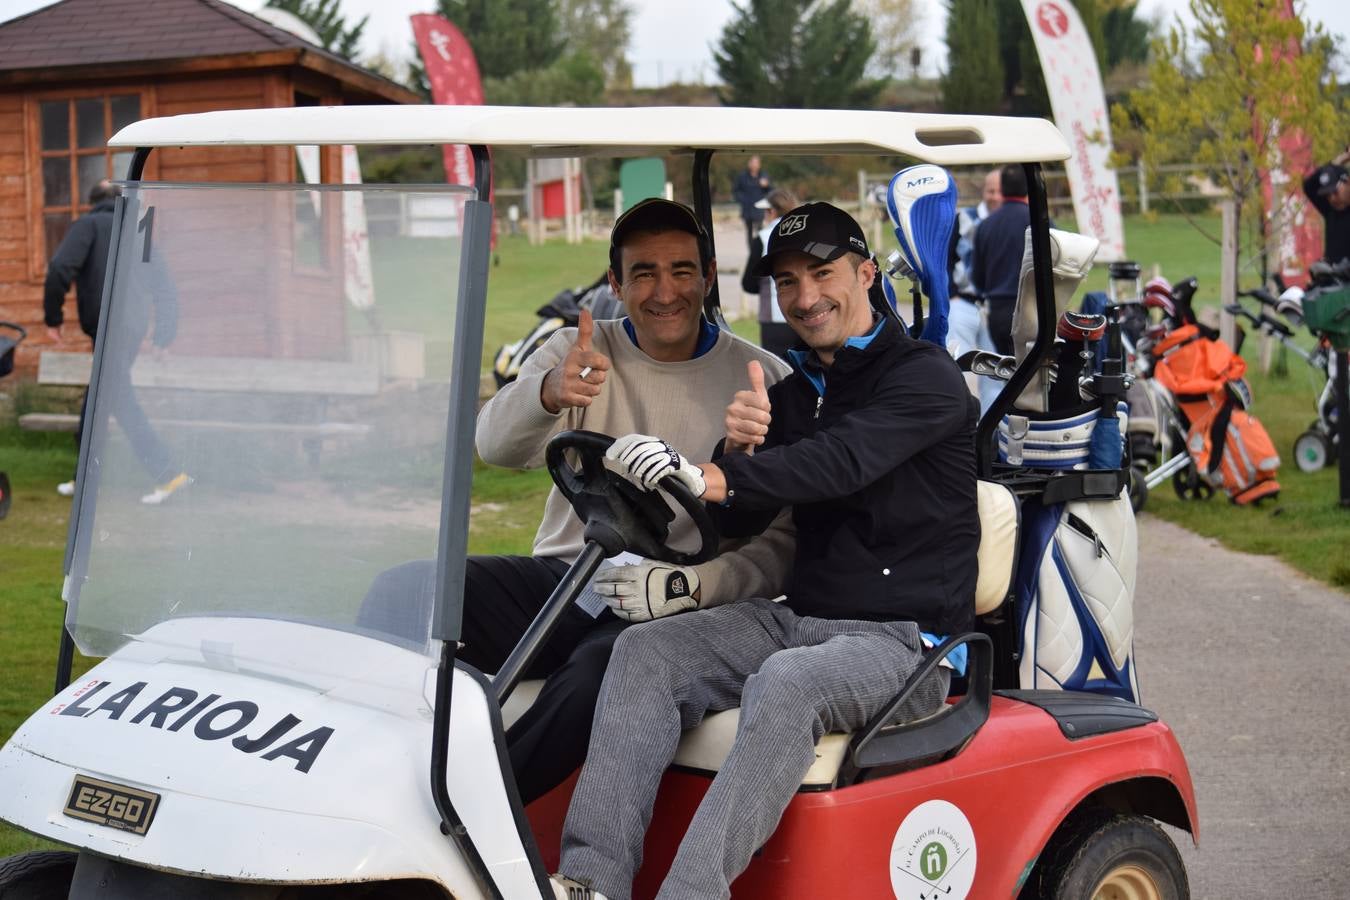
268 410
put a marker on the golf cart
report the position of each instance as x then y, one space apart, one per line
245 736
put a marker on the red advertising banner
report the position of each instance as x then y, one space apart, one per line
1294 238
452 71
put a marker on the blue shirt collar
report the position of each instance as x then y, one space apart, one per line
805 361
707 336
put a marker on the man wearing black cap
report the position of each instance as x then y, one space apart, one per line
1328 189
664 367
871 442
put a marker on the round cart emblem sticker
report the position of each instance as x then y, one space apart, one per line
933 854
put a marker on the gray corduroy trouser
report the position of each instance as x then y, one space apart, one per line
795 678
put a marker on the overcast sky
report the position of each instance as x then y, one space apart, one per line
671 40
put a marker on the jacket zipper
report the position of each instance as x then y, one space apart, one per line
819 402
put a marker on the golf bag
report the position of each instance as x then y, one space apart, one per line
562 311
1229 446
1075 596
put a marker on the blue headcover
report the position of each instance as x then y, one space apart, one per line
921 201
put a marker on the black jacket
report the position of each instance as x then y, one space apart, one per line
748 191
1000 241
880 471
1335 223
82 258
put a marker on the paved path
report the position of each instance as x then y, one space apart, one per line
1249 662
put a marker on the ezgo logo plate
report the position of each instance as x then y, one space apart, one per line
113 805
933 854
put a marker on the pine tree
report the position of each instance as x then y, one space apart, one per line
507 36
796 54
328 22
973 82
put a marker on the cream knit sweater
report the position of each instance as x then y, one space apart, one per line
682 402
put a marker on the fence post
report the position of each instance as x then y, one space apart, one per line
862 193
1143 187
1228 273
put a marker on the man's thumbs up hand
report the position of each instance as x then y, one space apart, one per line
577 379
748 414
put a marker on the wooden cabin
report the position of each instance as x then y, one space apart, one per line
72 74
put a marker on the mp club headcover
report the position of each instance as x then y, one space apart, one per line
921 201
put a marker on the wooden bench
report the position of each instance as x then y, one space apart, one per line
320 378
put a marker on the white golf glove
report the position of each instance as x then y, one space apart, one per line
649 590
645 460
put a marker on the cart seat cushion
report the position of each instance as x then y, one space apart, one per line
999 519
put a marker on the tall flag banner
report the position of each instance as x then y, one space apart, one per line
1079 106
359 286
1292 232
452 71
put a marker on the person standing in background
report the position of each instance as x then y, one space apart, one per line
775 335
750 187
996 263
1328 189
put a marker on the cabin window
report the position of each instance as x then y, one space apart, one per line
73 144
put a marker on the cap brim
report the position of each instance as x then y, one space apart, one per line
822 252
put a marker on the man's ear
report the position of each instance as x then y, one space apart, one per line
613 282
710 278
867 273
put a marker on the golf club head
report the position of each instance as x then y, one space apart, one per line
1290 305
921 201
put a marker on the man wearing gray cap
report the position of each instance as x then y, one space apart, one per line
871 442
1328 189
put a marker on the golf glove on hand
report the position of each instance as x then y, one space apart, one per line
645 460
649 590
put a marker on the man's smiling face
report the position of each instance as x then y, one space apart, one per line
824 302
662 290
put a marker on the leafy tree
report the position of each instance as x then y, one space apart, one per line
328 22
973 82
895 28
1221 94
572 80
603 29
795 54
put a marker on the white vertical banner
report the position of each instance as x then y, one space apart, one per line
360 288
1075 86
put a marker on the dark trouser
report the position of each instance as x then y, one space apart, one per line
777 338
1000 323
502 596
752 228
116 389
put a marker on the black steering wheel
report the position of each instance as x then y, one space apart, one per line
619 515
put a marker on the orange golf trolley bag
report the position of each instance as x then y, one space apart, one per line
1229 445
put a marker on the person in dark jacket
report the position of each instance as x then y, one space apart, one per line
871 441
996 262
750 187
82 258
1328 189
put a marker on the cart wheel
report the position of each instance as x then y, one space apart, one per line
1311 451
1138 487
37 875
1105 856
1189 486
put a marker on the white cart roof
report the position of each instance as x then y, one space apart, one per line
628 131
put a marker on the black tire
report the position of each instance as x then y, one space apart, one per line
1189 486
37 875
1138 487
1099 854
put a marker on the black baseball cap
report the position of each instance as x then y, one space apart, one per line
1328 177
817 229
657 214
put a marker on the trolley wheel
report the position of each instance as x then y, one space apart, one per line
1190 486
1311 451
1138 487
